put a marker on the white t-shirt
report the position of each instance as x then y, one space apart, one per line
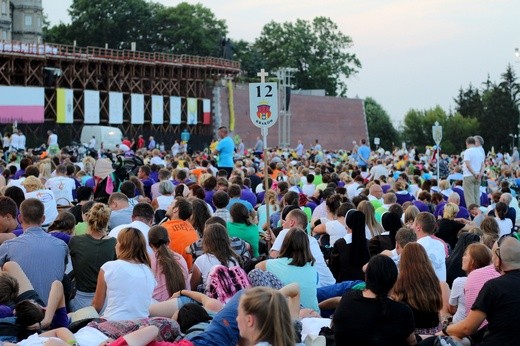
308 189
435 250
53 139
458 298
49 203
473 158
325 275
129 290
505 226
62 188
335 230
206 262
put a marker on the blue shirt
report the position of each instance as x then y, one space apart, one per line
225 149
363 152
41 256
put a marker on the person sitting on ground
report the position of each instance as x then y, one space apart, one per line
170 269
370 317
89 252
295 263
243 228
180 231
126 284
217 251
22 301
63 226
121 210
41 256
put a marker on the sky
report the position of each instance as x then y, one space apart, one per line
415 54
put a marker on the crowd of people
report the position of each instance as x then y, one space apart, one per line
357 246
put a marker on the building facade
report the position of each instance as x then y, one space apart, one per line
21 20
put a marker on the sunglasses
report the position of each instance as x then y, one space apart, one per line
499 242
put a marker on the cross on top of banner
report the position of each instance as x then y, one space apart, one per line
262 74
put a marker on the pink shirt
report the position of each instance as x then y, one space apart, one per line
160 292
477 279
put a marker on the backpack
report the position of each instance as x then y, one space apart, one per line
223 282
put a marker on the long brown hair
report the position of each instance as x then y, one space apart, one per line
417 284
168 265
272 313
296 247
132 246
216 242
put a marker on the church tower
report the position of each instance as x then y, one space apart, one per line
26 18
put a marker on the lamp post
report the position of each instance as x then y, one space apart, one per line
517 54
437 137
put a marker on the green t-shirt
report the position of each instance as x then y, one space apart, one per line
249 234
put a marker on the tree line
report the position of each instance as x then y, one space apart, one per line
491 111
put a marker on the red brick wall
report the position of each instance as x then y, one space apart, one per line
334 121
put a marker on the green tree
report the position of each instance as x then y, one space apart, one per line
469 103
317 49
183 29
380 125
187 29
251 61
417 129
117 23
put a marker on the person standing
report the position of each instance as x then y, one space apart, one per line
225 149
15 141
363 154
299 149
472 169
151 143
52 143
241 149
92 143
259 147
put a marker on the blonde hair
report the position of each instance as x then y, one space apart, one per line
272 315
368 209
450 211
33 184
98 217
45 168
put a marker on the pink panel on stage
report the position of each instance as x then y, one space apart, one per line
24 114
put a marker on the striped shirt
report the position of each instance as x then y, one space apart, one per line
477 279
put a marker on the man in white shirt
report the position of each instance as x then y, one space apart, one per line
472 170
21 140
52 143
298 218
92 143
424 226
378 170
299 149
142 219
62 186
15 141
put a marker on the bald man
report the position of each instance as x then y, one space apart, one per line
498 300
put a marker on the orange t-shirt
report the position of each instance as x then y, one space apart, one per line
181 234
